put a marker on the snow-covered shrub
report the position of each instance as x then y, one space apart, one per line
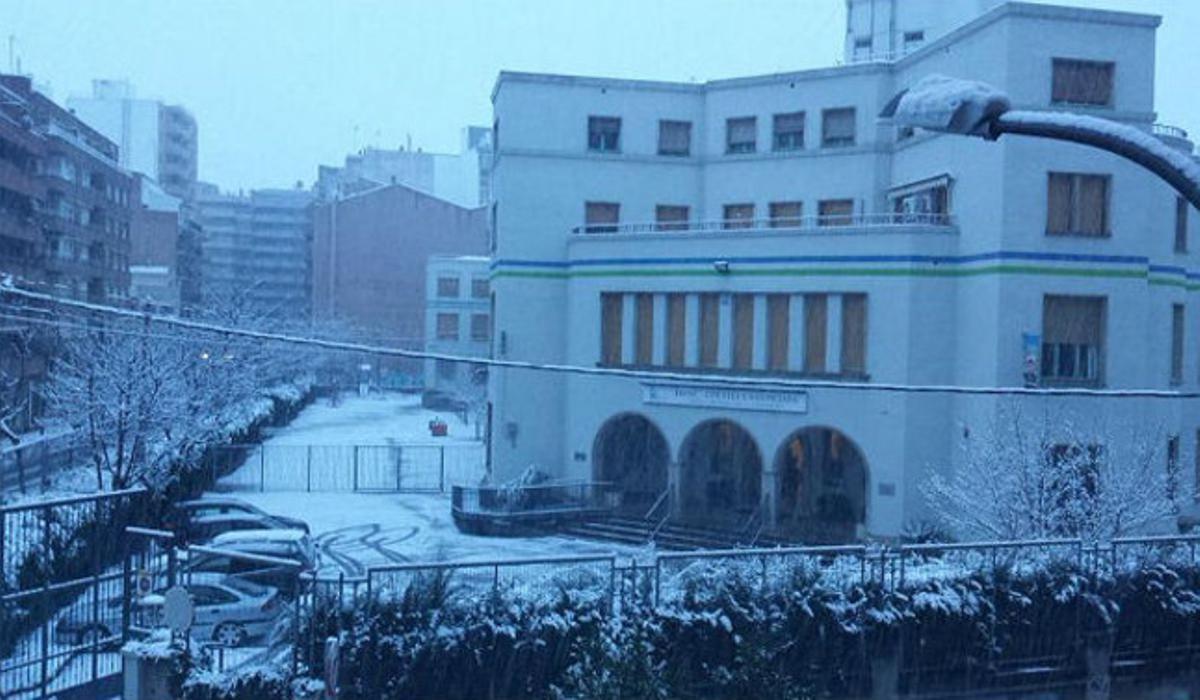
255 683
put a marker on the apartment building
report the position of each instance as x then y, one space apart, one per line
457 321
772 227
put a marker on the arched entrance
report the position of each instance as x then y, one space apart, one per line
821 486
720 474
632 453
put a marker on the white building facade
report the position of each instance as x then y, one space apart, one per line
457 320
772 227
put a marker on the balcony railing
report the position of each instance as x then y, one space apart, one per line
824 223
1169 131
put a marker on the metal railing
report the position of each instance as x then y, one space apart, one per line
1169 131
830 222
535 499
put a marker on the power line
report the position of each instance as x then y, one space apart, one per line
710 379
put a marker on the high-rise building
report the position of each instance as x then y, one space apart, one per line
155 139
165 251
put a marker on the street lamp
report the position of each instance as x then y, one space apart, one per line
969 108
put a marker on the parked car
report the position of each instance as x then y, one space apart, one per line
437 400
207 506
228 609
205 528
294 545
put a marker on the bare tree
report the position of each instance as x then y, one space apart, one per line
1048 477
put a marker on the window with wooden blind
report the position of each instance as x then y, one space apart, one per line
710 329
601 217
1181 225
674 138
835 212
778 310
1177 316
738 216
1082 82
1077 204
604 134
786 214
611 307
815 328
743 331
676 329
788 132
838 127
1073 329
741 135
479 288
447 287
854 334
447 326
480 327
643 329
670 217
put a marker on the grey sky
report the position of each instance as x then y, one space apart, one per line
279 86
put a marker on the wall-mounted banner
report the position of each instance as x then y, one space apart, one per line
709 396
1032 358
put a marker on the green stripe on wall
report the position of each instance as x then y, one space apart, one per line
1041 270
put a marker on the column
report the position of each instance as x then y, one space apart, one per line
628 327
725 331
659 353
796 333
833 335
691 331
761 339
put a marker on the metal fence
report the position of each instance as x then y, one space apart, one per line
342 468
31 464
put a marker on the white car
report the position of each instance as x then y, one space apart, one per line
228 609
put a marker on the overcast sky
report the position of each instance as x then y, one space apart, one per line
280 86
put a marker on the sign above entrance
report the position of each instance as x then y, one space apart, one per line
736 397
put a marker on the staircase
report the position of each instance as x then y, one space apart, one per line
664 535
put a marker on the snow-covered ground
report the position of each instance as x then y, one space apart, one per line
378 419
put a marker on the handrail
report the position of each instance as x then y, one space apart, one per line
417 566
657 502
828 221
1168 130
662 521
72 500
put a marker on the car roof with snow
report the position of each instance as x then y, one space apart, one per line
214 501
230 517
251 536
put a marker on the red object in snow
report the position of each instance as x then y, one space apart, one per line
438 427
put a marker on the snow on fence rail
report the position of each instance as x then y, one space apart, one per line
341 468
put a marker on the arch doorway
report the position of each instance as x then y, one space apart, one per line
720 474
821 486
632 453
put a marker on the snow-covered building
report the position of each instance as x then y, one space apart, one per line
457 318
773 226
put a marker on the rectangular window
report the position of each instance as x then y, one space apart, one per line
913 40
738 216
1181 222
447 287
601 217
674 138
447 326
1073 330
921 203
611 306
604 134
1082 82
788 132
676 329
778 309
741 135
835 212
1177 343
479 288
709 331
480 328
643 329
786 214
815 321
668 217
854 334
743 331
1077 204
837 127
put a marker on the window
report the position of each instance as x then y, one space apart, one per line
778 308
1082 82
1073 329
741 135
837 127
815 315
604 134
789 132
447 287
643 329
786 214
669 217
835 212
601 217
862 48
480 328
611 307
674 138
676 329
738 216
743 331
447 326
921 202
1176 343
709 331
854 334
479 288
1181 222
913 40
1077 204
